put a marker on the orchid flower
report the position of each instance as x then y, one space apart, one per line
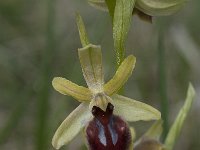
98 94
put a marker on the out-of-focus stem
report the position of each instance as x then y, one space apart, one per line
16 115
45 81
162 81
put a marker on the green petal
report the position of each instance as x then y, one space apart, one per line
121 24
133 110
67 87
159 7
121 76
82 31
177 125
91 63
72 125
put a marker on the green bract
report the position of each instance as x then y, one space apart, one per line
149 7
150 140
97 94
175 130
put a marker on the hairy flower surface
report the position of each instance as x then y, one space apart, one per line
98 95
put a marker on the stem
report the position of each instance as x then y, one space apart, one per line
162 82
45 81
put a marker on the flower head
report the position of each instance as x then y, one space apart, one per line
98 94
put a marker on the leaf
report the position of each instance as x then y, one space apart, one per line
121 76
175 130
133 110
82 32
91 62
72 125
159 7
121 25
69 88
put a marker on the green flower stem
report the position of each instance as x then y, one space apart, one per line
45 81
162 82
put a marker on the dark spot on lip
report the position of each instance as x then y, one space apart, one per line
102 116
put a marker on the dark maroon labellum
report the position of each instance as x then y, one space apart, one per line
107 131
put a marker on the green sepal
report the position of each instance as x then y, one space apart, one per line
133 110
91 62
72 125
69 88
82 31
178 124
121 76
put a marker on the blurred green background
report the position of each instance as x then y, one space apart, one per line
39 40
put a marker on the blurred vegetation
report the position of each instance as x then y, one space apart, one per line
39 40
